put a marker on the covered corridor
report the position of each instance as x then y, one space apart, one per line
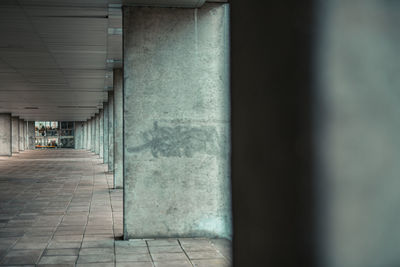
195 125
59 208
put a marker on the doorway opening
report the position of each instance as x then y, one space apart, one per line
54 134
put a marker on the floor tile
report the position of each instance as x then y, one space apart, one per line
180 263
96 258
58 259
14 257
62 252
168 256
132 257
57 207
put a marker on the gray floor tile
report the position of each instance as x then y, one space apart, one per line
63 204
96 251
62 252
168 256
132 257
96 258
180 263
165 249
15 257
204 255
58 260
211 262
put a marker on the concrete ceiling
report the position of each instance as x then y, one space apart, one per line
57 56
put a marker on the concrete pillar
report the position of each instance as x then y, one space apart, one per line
89 135
31 134
5 135
118 128
78 135
84 135
15 134
26 141
93 135
21 135
101 132
176 122
97 134
105 134
111 131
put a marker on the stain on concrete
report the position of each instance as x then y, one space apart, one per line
179 141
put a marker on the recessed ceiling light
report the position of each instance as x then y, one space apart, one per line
113 60
115 31
77 107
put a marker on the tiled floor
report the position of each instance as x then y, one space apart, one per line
58 208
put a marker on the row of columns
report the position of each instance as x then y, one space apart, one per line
102 133
15 134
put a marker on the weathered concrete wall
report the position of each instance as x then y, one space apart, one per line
79 135
357 115
105 134
15 134
31 134
21 135
118 128
101 132
5 135
176 122
110 131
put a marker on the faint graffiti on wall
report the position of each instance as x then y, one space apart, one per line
5 139
179 141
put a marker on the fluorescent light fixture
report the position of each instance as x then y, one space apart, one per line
115 31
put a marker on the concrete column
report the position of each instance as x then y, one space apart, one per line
21 135
31 134
84 135
97 133
5 135
93 135
176 122
26 141
105 134
111 131
15 134
118 128
101 133
89 135
78 135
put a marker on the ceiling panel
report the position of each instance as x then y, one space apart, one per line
57 56
54 57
